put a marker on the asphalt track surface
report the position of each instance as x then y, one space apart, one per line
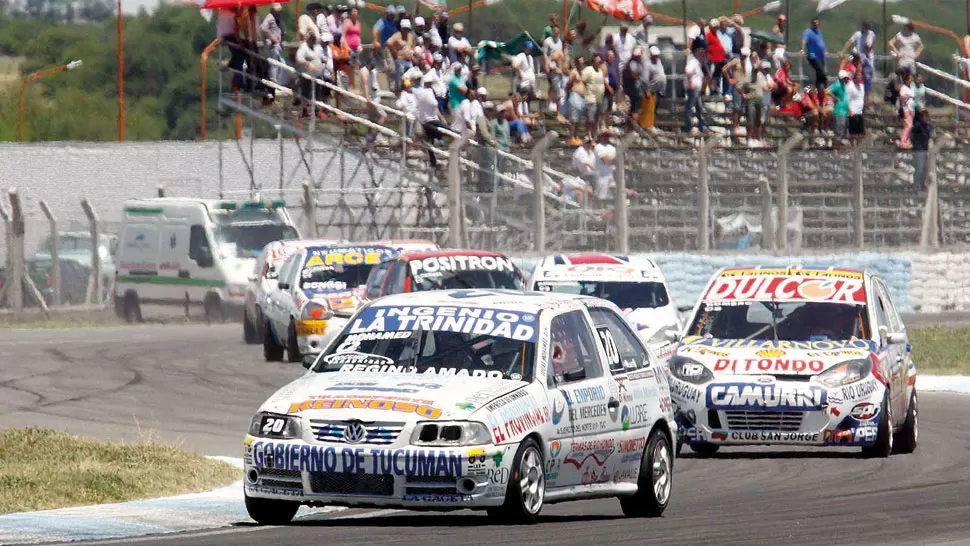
199 385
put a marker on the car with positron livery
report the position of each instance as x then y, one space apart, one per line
499 400
318 289
418 271
635 285
796 356
264 279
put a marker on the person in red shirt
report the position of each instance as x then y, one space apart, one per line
811 109
785 88
716 56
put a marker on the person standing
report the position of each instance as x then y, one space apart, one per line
576 100
428 114
273 37
694 80
594 78
922 130
716 56
485 135
909 111
813 47
862 44
654 84
906 46
856 95
401 47
839 92
780 29
631 81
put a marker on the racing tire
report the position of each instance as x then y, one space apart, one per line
292 347
272 351
909 435
656 479
884 437
130 308
704 449
526 491
249 330
271 511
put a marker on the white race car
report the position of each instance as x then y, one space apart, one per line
318 289
796 356
263 280
468 399
635 285
405 245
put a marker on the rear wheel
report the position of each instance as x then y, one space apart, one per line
213 308
271 511
292 347
272 351
909 435
655 482
249 330
884 436
527 486
130 308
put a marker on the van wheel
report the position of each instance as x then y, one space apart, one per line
130 308
292 347
214 311
655 481
249 330
272 351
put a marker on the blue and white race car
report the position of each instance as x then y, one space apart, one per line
500 400
799 357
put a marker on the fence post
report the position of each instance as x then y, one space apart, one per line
309 211
8 244
538 195
620 215
15 275
858 199
783 151
161 190
704 223
456 215
55 252
767 222
94 281
931 210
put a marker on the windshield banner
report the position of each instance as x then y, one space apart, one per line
362 255
787 288
438 264
826 345
516 325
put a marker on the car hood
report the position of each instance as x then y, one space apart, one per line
761 357
383 397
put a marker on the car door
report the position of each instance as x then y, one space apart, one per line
584 416
277 299
898 352
375 281
639 379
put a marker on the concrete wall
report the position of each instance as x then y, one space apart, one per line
920 283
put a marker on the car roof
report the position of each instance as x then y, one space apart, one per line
513 300
597 265
422 254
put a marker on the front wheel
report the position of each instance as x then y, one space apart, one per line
292 347
249 330
271 511
909 435
527 486
272 351
884 435
655 482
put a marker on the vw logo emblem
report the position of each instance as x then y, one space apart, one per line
355 433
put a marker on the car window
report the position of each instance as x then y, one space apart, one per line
376 280
199 248
882 317
624 352
573 349
895 322
395 278
286 270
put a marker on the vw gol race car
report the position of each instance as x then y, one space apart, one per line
796 356
263 280
318 289
443 269
468 399
635 285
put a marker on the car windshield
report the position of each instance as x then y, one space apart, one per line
248 238
786 321
624 294
69 243
448 272
438 340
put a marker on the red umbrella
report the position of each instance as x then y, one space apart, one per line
626 10
226 4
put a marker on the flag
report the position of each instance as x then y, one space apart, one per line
829 4
488 49
432 4
625 10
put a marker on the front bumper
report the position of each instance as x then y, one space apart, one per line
371 475
312 336
746 410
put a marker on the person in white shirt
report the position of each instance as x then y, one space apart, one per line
439 83
273 38
605 158
320 19
584 160
624 42
457 43
458 114
856 96
695 32
429 116
407 102
525 71
472 110
314 58
694 78
906 46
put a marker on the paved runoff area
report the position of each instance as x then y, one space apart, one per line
199 386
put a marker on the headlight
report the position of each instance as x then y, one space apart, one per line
315 311
274 425
845 373
688 370
450 433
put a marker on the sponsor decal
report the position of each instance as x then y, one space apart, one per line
692 369
744 396
278 491
498 476
488 393
683 393
862 389
360 359
381 404
700 350
787 288
306 328
865 411
595 452
865 435
515 419
476 462
558 410
389 368
631 416
507 399
770 365
630 450
437 498
835 354
370 386
515 325
719 435
771 436
399 462
692 434
770 353
821 345
328 286
554 463
438 264
348 256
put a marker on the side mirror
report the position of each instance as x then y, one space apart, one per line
575 375
308 360
896 338
883 335
283 285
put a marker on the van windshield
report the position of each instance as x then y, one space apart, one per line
249 238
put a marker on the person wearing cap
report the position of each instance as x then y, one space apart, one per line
474 109
524 65
584 160
736 74
457 88
315 59
552 57
624 42
439 80
384 28
306 23
631 81
401 46
458 45
839 92
653 81
273 37
428 114
335 21
502 131
716 57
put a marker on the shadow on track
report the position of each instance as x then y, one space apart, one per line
408 519
757 455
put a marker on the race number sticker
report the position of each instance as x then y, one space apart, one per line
609 345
